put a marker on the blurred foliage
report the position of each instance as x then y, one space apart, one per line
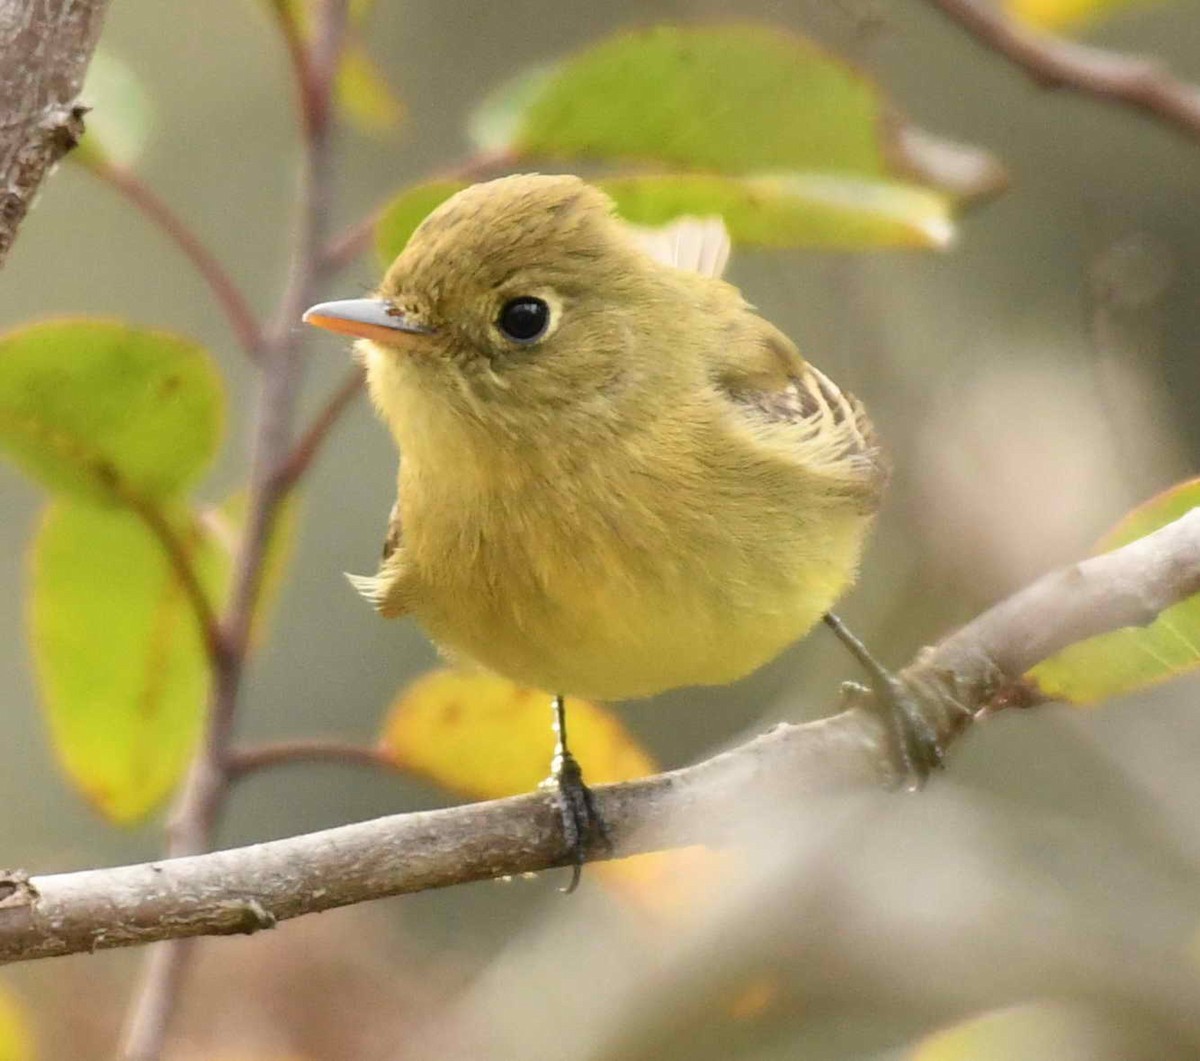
16 1039
695 97
1132 658
119 421
1033 1031
810 210
108 412
1068 14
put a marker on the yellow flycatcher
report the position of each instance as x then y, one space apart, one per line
616 477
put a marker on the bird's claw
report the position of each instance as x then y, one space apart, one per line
918 747
582 823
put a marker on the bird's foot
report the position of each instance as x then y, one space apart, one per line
918 748
582 824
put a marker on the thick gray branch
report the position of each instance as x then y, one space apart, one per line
45 48
245 889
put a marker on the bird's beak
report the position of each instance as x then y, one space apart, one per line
365 318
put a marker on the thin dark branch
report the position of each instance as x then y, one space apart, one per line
236 308
250 888
45 49
305 451
243 761
1139 83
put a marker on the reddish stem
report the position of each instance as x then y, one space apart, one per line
236 308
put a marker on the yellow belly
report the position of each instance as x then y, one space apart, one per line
610 627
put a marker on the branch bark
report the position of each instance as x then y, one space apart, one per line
250 888
1139 83
45 48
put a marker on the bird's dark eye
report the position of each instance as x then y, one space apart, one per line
524 319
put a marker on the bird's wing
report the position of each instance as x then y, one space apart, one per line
778 394
693 244
383 591
394 537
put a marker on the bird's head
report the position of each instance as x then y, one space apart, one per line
519 297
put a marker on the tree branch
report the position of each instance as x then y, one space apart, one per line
237 310
1051 62
246 889
45 48
305 451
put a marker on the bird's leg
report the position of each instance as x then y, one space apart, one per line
581 819
914 738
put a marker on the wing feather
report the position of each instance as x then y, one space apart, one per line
694 244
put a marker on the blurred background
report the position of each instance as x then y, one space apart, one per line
1033 383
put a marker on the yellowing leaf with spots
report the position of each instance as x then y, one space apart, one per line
484 737
16 1039
1134 657
108 412
119 655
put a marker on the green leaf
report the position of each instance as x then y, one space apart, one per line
811 210
801 210
16 1038
364 95
119 122
734 99
108 412
119 655
1132 658
404 213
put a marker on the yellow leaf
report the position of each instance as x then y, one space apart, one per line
1033 1031
1060 14
16 1039
364 94
484 737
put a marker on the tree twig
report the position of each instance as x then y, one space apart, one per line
1136 82
152 206
250 888
204 793
310 443
243 761
45 48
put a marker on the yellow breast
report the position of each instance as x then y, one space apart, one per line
626 583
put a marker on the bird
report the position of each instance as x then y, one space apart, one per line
616 477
